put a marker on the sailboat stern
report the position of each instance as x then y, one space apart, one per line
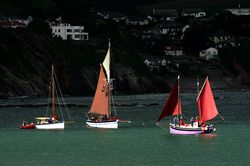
104 124
184 130
209 129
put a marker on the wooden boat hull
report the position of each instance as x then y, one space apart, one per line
105 125
191 130
28 126
49 126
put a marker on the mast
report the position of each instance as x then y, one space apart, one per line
106 65
53 111
178 82
198 85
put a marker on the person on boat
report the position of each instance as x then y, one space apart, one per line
25 123
93 118
56 117
181 121
192 121
100 118
175 120
105 117
196 119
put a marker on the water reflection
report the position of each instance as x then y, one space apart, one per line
208 138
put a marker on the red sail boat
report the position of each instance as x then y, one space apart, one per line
206 107
100 114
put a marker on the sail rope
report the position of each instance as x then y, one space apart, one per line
48 102
161 126
63 101
113 104
59 105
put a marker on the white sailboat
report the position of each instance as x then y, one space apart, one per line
54 121
100 114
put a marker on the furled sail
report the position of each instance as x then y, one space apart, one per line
100 103
173 104
206 103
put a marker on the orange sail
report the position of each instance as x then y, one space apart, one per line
206 103
173 104
100 103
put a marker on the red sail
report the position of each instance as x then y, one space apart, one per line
100 103
173 104
206 103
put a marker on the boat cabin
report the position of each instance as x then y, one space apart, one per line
42 120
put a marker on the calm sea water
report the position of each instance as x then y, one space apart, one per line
141 142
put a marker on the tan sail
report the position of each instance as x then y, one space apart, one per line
106 63
100 103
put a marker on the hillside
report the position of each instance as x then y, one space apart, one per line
205 4
26 57
27 54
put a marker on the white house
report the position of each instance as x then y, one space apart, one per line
173 51
193 12
137 21
209 54
165 14
155 63
220 37
14 22
239 11
68 32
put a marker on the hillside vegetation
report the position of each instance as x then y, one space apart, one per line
26 54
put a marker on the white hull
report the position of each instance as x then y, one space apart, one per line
105 125
48 126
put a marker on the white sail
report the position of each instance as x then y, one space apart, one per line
106 63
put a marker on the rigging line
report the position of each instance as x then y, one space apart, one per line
113 104
59 104
221 116
217 121
48 103
160 126
62 98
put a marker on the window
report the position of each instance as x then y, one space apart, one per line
77 30
77 36
69 30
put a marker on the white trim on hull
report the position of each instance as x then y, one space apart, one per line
104 125
49 126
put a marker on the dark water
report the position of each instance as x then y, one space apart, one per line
140 143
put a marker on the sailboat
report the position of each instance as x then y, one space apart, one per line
54 121
206 107
100 114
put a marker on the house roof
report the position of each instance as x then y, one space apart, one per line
220 33
239 11
165 12
192 10
12 24
137 18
